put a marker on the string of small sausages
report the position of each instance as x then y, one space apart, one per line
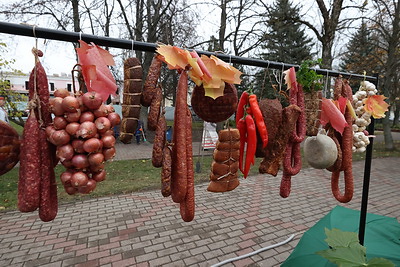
292 159
345 143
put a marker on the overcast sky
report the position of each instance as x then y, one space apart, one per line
60 57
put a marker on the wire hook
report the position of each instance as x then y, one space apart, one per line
80 36
34 31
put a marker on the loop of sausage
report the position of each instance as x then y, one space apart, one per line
346 144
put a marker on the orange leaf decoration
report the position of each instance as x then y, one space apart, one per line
330 113
290 79
376 106
94 62
209 71
221 72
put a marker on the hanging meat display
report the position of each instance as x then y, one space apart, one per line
37 188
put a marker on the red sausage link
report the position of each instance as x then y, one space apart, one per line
179 158
187 207
30 165
150 83
48 190
159 142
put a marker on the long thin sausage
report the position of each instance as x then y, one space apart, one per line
150 84
187 207
48 190
159 142
166 172
30 164
179 161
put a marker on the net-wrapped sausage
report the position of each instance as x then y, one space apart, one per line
225 163
131 99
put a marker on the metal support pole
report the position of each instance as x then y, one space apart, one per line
367 176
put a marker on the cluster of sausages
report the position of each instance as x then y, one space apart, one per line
37 188
131 99
344 145
225 163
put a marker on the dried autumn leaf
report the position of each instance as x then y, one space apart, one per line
330 113
221 72
376 106
94 62
290 78
173 56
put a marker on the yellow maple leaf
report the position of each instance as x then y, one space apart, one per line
376 106
173 56
221 72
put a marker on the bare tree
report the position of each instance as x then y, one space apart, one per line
386 24
330 26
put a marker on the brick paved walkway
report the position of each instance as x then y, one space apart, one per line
144 229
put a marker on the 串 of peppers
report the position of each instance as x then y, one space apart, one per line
251 144
259 119
241 126
241 106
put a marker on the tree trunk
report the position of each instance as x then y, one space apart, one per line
396 113
222 26
75 15
387 133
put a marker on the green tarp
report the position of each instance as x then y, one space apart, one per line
382 237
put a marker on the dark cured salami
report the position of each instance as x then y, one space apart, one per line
159 142
48 190
150 84
30 165
187 207
166 172
179 161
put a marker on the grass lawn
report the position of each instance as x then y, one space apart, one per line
127 176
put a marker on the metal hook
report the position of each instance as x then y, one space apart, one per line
326 83
80 36
281 78
230 59
34 31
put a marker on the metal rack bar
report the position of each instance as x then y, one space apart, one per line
59 35
45 33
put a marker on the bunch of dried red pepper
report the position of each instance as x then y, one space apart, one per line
248 117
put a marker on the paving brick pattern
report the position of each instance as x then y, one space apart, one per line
145 229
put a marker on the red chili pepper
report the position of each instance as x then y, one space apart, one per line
240 108
259 119
241 126
251 144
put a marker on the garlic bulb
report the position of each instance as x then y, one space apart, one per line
360 140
